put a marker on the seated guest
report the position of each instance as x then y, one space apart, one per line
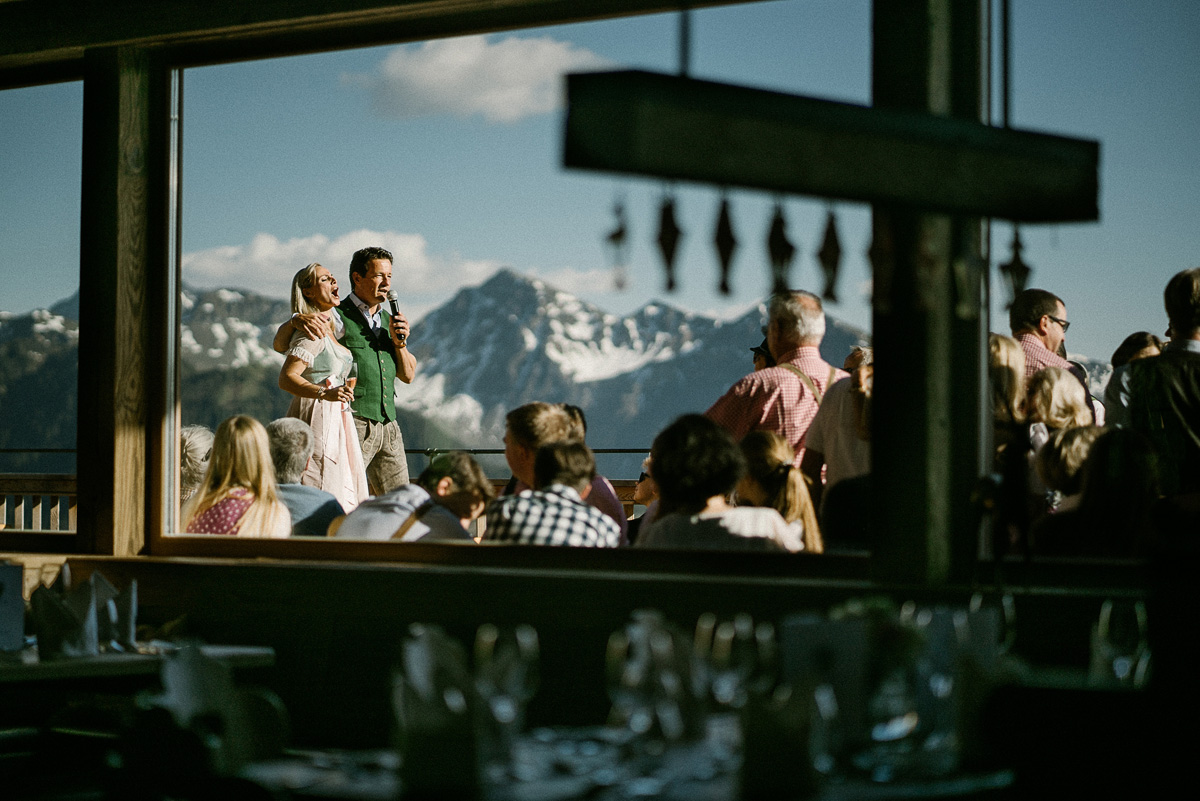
697 466
195 448
554 513
1060 463
312 509
450 493
527 428
1055 400
1138 345
772 481
645 493
238 495
1114 515
602 494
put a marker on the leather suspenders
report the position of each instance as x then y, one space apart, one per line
808 382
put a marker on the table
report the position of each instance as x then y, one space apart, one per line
25 666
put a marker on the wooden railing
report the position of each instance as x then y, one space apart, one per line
37 502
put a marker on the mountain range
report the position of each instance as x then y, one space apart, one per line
490 348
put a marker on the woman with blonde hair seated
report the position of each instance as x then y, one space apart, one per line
238 496
1006 374
1057 400
772 481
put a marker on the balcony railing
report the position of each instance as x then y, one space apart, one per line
34 505
37 502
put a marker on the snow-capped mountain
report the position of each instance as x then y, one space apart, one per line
225 328
513 340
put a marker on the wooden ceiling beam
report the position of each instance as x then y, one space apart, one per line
674 128
41 35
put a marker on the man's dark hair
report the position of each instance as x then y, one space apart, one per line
1182 299
692 460
1029 307
569 462
358 262
462 469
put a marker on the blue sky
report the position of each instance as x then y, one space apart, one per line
448 153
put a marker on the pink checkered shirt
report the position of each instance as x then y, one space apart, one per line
1038 355
776 399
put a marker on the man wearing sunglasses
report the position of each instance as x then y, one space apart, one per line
1039 322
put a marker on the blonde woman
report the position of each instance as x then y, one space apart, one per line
237 496
1057 400
318 373
772 481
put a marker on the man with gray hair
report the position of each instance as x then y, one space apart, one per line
784 398
312 509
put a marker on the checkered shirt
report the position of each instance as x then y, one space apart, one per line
1037 355
776 399
553 516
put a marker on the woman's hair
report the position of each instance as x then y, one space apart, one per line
692 460
305 279
241 457
769 464
1060 460
1137 345
195 447
1006 371
1057 399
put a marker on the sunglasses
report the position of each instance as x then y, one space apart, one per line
1065 325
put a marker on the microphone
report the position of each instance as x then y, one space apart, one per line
394 304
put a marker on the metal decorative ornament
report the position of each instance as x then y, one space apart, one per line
668 238
781 251
726 243
1016 271
617 243
830 257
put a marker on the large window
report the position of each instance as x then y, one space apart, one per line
40 136
447 153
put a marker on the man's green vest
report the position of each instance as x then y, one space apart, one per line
375 392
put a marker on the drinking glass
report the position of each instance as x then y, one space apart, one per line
1120 653
506 677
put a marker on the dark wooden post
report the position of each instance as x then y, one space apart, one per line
123 155
927 311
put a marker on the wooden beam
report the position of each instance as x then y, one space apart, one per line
48 32
665 126
927 306
114 261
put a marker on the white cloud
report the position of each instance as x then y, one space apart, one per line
266 265
581 283
503 80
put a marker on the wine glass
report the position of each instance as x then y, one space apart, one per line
352 375
506 676
1120 654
